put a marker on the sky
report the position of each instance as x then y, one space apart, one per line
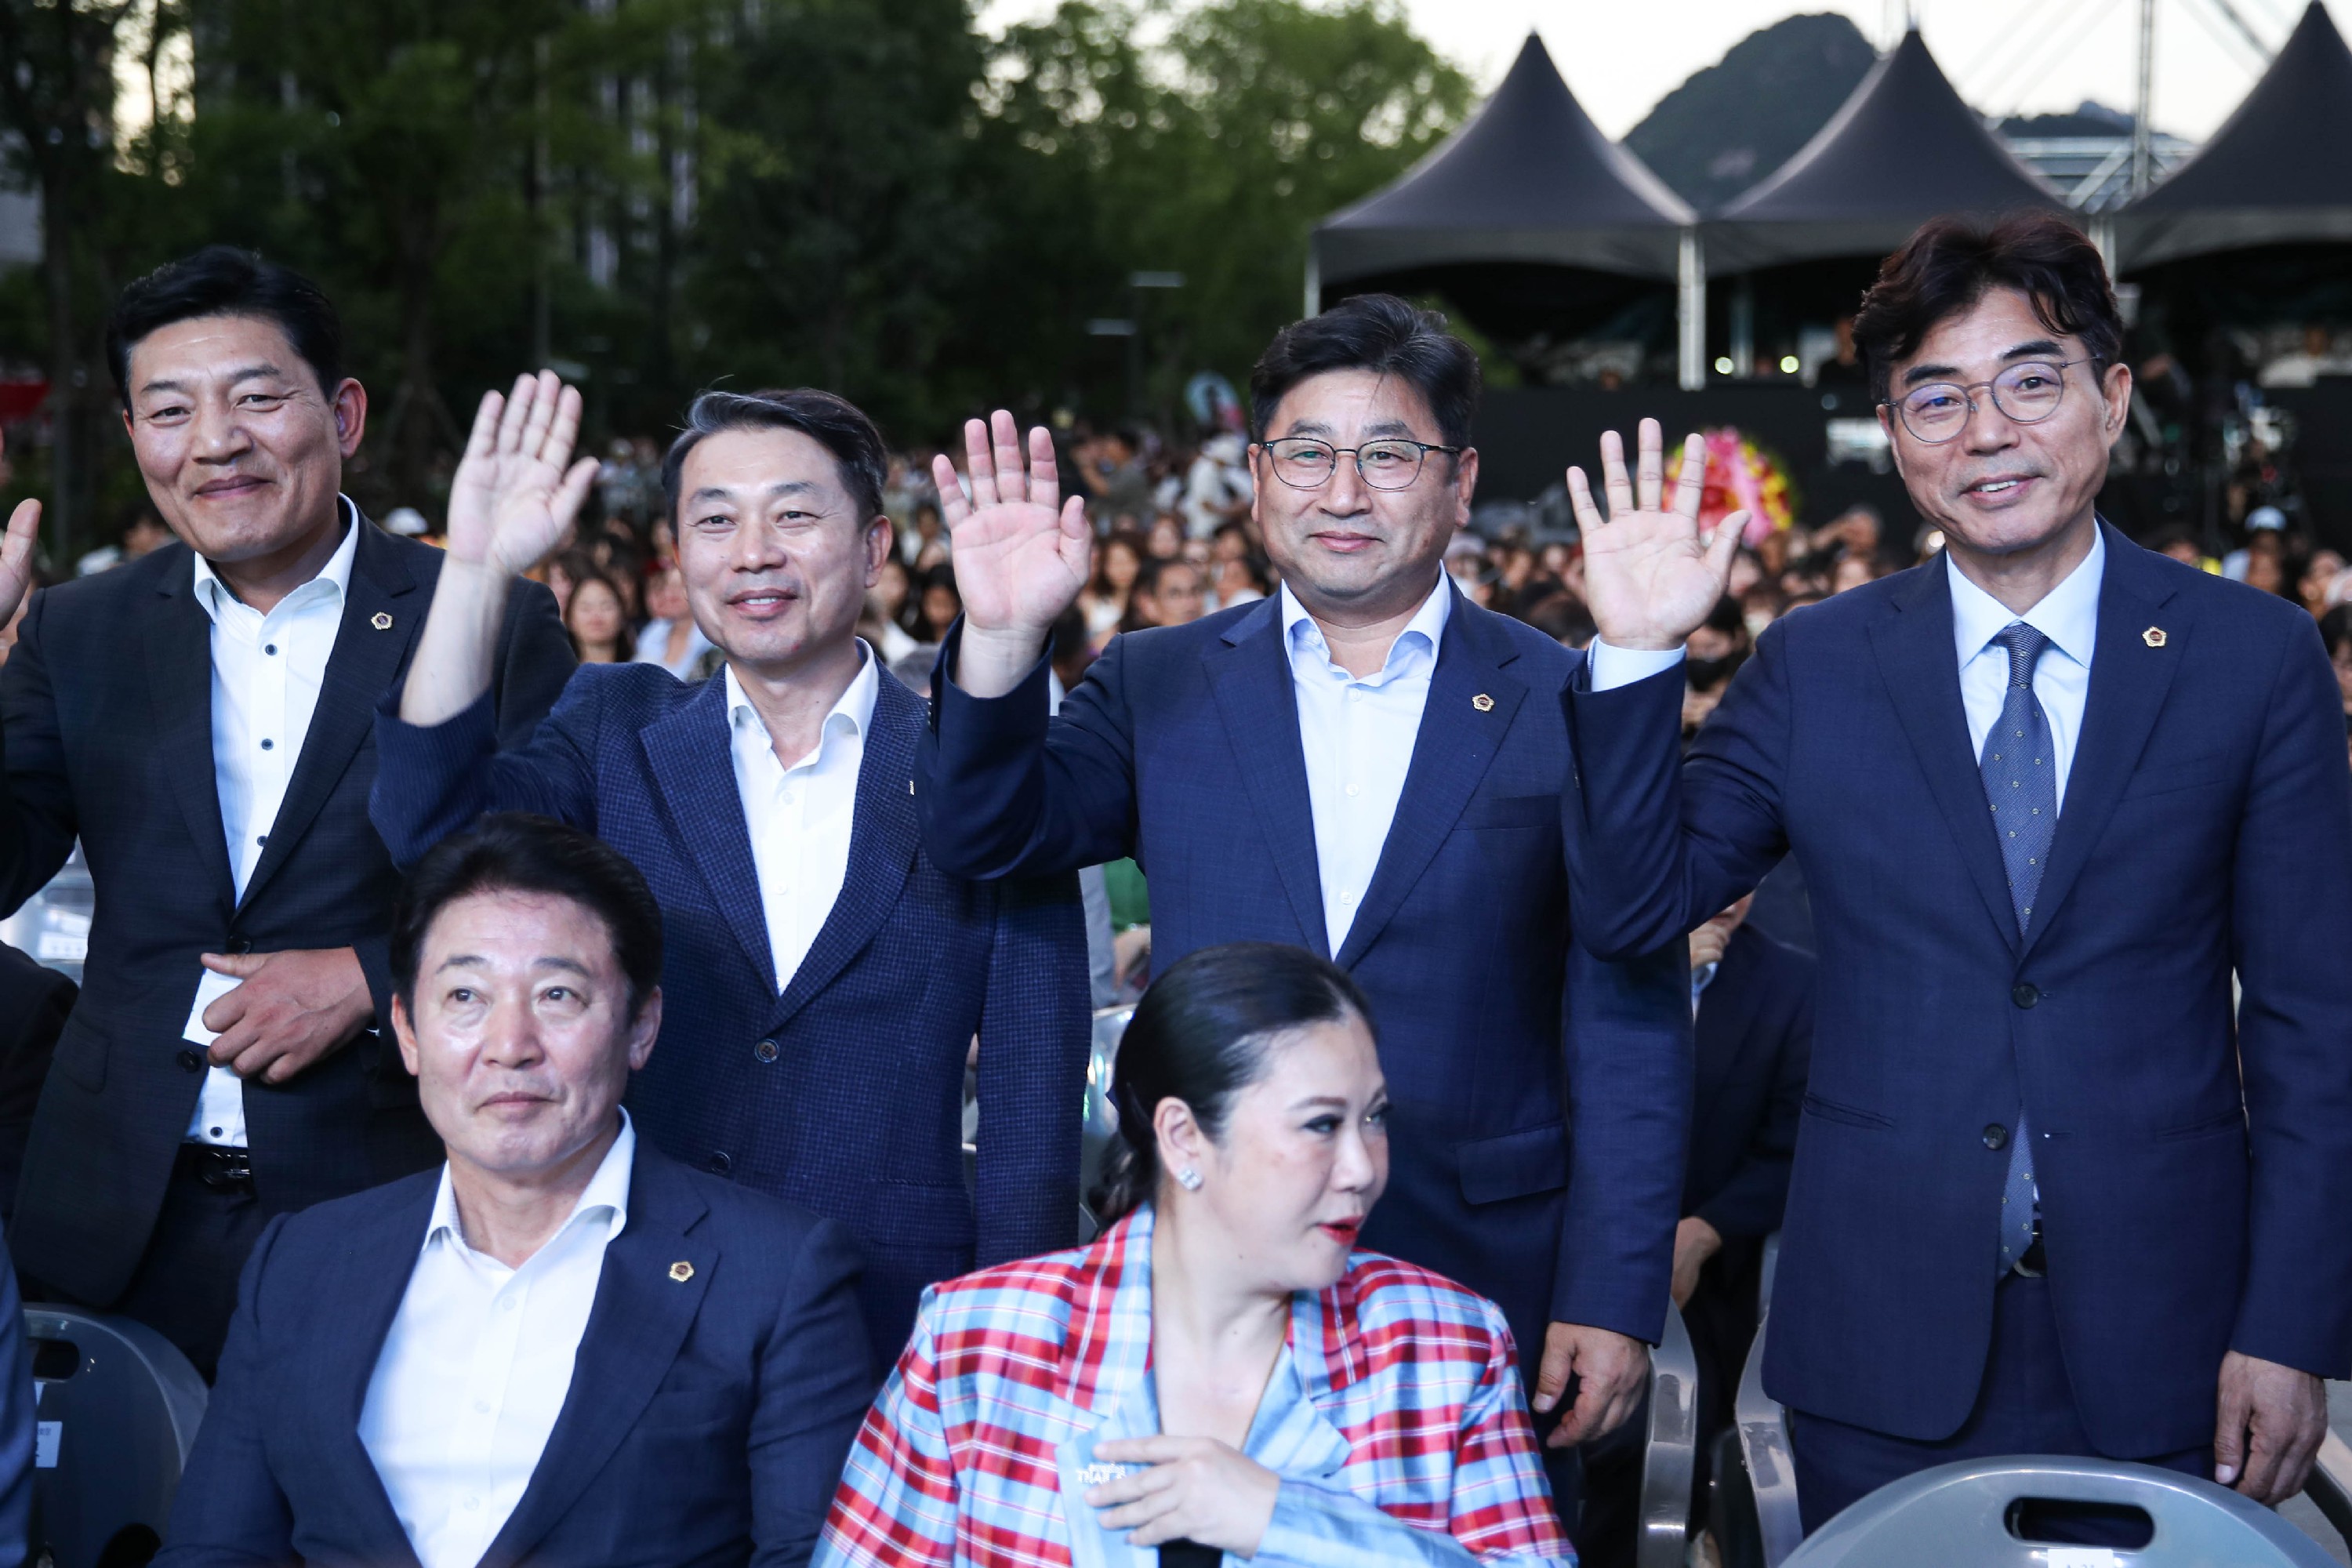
1619 56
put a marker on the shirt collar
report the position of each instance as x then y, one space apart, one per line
211 589
1427 625
852 712
607 1191
2068 614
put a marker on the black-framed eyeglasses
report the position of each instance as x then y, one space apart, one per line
1305 464
2026 394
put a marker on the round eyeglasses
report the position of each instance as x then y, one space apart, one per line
1305 464
2025 394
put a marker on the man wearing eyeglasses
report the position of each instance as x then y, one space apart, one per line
2049 793
1370 766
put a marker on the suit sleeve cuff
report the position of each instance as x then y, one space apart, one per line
1614 666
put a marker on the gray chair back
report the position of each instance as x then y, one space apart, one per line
1763 1428
1668 1457
118 1407
1958 1516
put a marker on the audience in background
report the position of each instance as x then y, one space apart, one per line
598 621
670 638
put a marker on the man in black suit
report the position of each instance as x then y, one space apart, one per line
563 1347
202 720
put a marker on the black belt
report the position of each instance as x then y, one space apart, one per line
217 1166
2032 1263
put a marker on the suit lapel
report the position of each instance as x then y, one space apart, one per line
180 696
2129 681
1915 656
1458 740
367 658
641 1318
692 758
1249 670
884 840
363 1301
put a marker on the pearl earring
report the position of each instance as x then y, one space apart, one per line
1189 1179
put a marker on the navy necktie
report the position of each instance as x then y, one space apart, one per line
2020 780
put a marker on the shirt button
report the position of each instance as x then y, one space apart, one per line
765 1050
269 745
1354 695
473 1503
482 1407
1346 897
1354 789
508 1305
271 648
790 799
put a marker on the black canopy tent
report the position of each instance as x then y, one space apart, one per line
1536 220
2278 172
1903 149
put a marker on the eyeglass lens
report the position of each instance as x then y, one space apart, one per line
2023 394
1384 465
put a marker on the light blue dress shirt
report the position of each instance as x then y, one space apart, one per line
1358 736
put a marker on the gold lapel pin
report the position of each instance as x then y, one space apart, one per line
2153 637
382 621
1484 703
681 1271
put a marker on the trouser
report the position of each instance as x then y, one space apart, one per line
2024 1407
185 1285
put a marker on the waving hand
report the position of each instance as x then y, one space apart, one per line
1649 577
512 500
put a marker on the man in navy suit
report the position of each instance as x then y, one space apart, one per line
2049 793
825 978
1365 766
561 1347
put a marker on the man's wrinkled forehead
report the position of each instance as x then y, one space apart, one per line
1357 405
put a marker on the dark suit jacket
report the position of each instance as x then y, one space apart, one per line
1752 1042
106 710
1182 747
846 1092
34 1002
2195 1174
706 1425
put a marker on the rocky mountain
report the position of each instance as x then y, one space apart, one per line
1734 122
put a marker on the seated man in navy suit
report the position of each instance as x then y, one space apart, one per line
1367 765
563 1347
2076 824
825 978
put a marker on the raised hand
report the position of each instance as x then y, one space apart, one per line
17 553
512 500
1020 553
1649 579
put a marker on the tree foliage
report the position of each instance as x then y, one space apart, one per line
661 194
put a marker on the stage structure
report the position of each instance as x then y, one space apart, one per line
1527 197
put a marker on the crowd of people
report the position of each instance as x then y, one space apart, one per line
541 988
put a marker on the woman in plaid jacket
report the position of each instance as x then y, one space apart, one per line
1222 1372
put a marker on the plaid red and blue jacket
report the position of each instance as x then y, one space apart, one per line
1394 1418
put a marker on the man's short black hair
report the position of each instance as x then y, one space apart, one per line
1381 333
837 424
514 852
1951 263
223 280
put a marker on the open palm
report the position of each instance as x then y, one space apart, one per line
1020 553
512 500
1650 580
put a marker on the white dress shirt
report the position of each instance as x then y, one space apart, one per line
1357 735
2068 615
476 1366
267 671
800 817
